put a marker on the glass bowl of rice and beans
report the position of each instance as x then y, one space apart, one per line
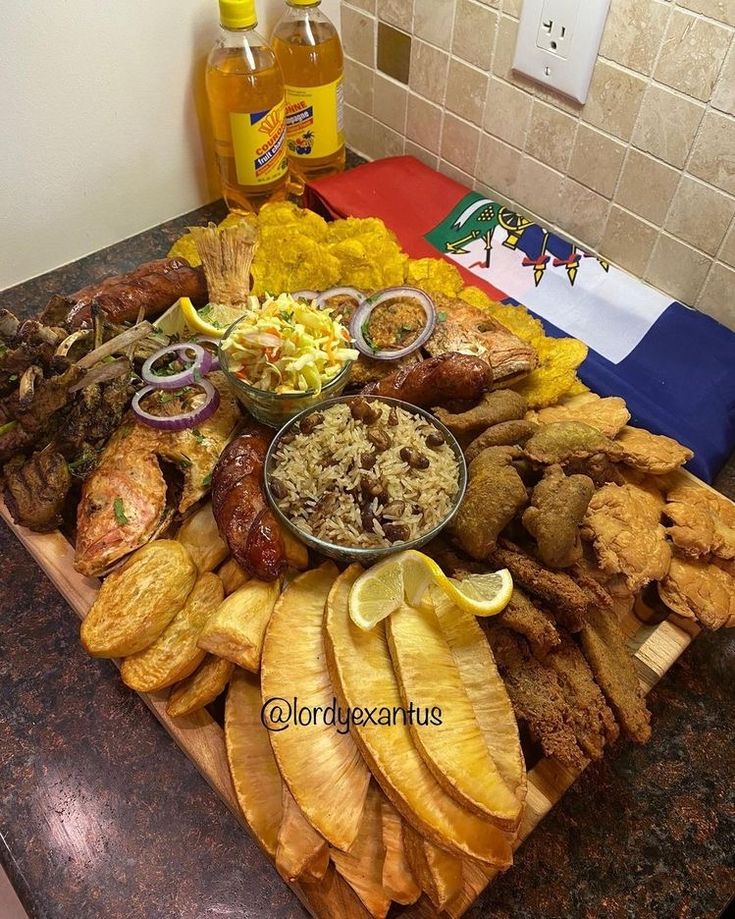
358 477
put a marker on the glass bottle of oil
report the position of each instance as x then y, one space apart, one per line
247 105
309 51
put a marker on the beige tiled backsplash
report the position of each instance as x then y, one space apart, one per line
643 173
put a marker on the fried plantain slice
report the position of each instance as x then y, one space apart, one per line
362 865
199 534
201 688
237 628
174 655
253 768
137 602
301 853
232 576
475 878
320 763
398 881
454 749
439 874
362 673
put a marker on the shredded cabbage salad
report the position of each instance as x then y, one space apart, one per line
286 345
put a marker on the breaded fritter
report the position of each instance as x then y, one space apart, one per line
568 441
499 405
558 506
623 523
505 433
608 415
701 591
702 521
652 453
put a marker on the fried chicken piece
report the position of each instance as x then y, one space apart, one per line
622 522
537 697
558 506
567 441
567 600
495 493
492 456
499 405
608 415
592 719
534 624
702 521
701 591
506 433
614 670
652 453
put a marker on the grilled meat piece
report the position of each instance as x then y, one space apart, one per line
36 489
439 380
151 288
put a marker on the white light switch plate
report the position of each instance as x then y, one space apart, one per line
558 42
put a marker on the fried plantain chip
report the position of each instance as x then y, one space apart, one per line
201 688
201 537
362 673
301 853
174 655
398 881
556 373
434 275
253 768
137 602
319 762
438 873
236 629
455 749
362 865
232 576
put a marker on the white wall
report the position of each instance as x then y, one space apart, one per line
102 110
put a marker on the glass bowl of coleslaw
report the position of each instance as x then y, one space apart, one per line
284 355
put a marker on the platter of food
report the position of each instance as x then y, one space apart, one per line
376 559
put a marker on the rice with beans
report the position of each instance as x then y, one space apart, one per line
364 482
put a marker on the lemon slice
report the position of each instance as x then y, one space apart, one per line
219 318
405 578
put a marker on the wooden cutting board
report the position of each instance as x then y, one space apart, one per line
655 649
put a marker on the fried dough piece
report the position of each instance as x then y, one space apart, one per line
534 624
537 697
567 441
506 433
702 521
558 506
499 405
567 599
622 522
652 453
490 457
592 719
701 591
608 415
493 498
600 468
603 644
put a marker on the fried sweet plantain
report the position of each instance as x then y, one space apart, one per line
201 537
398 881
320 763
174 655
202 687
253 768
362 673
237 628
455 749
301 853
137 602
439 874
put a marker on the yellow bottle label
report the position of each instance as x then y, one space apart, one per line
258 139
314 120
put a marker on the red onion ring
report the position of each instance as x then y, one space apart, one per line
202 339
185 419
362 315
201 365
357 295
305 295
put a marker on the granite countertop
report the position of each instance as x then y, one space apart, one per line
102 817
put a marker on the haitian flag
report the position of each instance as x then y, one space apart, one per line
674 367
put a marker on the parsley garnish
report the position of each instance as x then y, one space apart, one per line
119 509
198 436
185 462
196 376
441 316
207 480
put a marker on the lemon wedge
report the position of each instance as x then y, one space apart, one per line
405 578
219 318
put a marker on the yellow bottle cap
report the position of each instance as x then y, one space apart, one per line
237 14
303 2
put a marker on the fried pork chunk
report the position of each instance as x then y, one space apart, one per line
558 506
622 522
608 415
701 591
652 453
701 522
